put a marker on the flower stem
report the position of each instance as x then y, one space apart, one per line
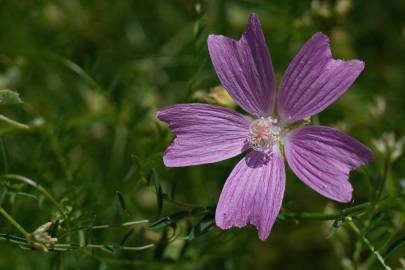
24 243
325 216
381 187
14 222
367 242
39 188
342 213
13 123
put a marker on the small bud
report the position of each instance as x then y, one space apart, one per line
41 239
321 8
217 95
388 146
343 6
378 107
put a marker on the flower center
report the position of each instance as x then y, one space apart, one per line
263 133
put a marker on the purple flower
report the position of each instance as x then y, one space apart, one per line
320 156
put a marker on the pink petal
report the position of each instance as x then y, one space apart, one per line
322 158
253 193
314 80
204 134
244 68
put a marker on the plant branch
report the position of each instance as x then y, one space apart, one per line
37 187
24 243
14 222
377 254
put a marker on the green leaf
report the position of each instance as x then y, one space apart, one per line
164 222
161 245
159 191
207 222
11 124
120 203
108 248
396 244
3 195
338 223
126 237
8 97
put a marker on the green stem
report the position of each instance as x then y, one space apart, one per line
22 242
325 216
371 259
180 204
342 213
367 242
4 155
39 188
108 226
381 187
14 222
125 224
13 123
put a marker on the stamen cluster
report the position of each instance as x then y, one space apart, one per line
263 133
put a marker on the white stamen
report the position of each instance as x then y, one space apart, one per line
264 133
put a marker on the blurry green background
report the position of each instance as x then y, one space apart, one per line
93 73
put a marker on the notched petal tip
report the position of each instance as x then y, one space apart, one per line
321 35
253 194
314 79
167 161
253 20
253 16
203 134
211 38
344 197
244 68
322 157
263 234
158 114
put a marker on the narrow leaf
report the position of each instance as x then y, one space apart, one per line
126 237
207 222
164 222
396 244
120 202
8 97
334 228
159 191
12 123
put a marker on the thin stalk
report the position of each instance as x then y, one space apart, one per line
14 222
70 246
4 155
13 123
125 224
180 204
39 188
108 226
325 216
367 243
381 187
371 259
105 226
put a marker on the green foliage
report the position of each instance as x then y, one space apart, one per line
86 167
9 97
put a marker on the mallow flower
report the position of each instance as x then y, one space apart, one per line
322 157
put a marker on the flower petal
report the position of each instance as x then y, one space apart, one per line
314 80
244 68
253 193
322 158
204 134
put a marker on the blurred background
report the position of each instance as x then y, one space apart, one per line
92 74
